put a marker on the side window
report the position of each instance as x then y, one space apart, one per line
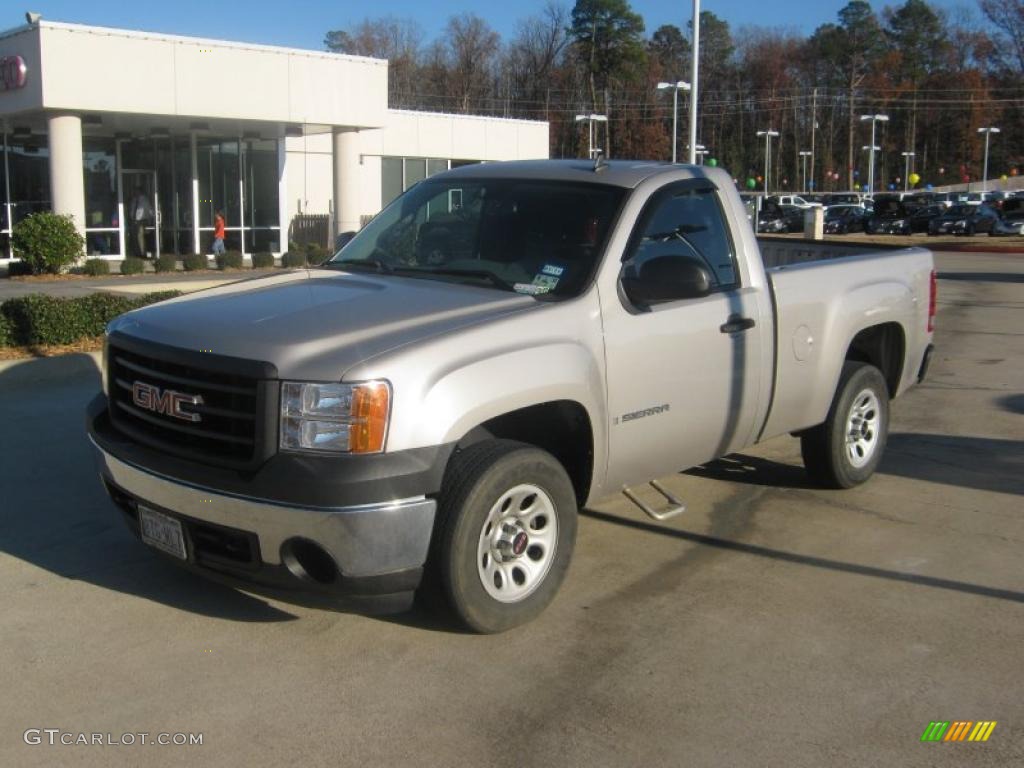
687 224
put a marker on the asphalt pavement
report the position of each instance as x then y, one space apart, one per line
773 624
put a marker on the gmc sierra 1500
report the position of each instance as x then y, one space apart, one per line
502 345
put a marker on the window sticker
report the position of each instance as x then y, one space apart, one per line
555 270
531 289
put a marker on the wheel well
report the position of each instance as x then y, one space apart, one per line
883 347
562 428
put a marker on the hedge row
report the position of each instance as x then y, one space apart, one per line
40 319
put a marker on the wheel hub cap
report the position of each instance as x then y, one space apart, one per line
517 543
862 428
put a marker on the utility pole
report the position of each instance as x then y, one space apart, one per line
988 132
804 154
906 169
694 71
814 127
767 155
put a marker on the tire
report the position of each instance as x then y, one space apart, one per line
507 515
861 402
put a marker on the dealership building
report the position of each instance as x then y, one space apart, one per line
94 118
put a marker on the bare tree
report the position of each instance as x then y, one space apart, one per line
398 40
472 49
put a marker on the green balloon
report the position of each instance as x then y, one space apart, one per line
712 162
751 184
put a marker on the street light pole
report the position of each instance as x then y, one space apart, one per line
695 65
676 87
767 155
591 119
988 132
804 154
906 170
701 153
871 160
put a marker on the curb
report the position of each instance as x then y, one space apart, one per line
34 371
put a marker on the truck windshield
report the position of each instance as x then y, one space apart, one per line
532 237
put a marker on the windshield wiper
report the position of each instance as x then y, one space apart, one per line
376 264
481 274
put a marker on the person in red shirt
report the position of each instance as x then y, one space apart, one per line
218 233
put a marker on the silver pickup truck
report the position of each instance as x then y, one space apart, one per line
502 345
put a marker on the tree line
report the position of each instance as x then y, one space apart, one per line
939 75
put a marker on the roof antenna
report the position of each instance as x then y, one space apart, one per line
599 162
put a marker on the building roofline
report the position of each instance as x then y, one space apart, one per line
491 118
143 35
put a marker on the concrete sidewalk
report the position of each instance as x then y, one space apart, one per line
135 284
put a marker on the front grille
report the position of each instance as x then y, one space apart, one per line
232 425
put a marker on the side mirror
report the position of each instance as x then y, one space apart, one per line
668 278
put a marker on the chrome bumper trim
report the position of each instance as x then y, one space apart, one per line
366 540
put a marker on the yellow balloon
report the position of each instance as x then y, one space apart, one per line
1004 177
913 179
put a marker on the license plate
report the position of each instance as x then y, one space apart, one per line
161 531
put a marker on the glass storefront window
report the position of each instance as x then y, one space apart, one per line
99 165
28 163
391 179
415 170
436 165
262 214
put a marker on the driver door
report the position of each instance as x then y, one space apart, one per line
682 374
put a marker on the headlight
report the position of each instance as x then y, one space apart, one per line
334 418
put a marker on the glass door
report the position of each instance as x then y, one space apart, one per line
141 200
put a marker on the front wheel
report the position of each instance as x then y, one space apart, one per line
845 450
506 533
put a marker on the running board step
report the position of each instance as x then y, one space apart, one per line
676 507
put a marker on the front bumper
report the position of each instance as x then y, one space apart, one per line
360 549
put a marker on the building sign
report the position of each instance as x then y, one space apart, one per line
12 73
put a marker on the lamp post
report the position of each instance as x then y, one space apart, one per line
906 170
804 154
694 67
767 154
676 87
701 153
875 119
590 120
988 132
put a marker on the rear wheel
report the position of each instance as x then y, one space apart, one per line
506 533
845 450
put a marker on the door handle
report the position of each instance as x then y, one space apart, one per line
737 324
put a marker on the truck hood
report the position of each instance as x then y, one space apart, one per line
314 325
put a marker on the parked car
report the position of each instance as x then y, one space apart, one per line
843 219
1011 219
793 200
891 217
448 390
964 219
837 198
921 216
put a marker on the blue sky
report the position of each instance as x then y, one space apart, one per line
302 24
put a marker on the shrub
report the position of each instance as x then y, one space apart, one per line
40 319
18 268
133 266
195 261
6 332
315 254
167 262
47 242
96 267
262 260
229 260
293 259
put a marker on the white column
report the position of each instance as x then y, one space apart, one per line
67 185
346 180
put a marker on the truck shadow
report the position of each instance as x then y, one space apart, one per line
806 560
56 515
978 463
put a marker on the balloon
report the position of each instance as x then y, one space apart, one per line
867 188
1014 171
892 187
1004 177
965 178
751 184
913 179
942 171
856 174
759 179
929 187
713 163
